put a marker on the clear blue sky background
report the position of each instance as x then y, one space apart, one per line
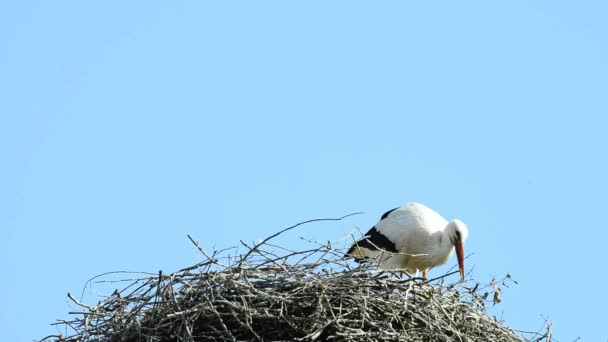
126 125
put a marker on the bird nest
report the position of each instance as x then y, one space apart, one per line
270 293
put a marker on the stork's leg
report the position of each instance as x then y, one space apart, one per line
424 275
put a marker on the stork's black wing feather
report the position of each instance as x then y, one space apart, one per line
373 240
385 215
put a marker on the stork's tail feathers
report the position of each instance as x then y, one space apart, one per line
373 244
359 254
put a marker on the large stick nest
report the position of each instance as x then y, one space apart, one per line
271 293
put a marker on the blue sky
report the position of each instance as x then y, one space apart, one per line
125 126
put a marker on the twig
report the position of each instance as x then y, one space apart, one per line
90 308
213 260
292 227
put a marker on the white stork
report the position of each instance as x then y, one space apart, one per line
411 238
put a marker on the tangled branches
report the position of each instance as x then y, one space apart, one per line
271 293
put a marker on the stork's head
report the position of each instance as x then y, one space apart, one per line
458 233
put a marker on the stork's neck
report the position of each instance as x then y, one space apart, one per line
448 237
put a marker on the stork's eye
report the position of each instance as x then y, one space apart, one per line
458 237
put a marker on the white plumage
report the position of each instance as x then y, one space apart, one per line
411 238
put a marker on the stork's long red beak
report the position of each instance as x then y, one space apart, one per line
460 254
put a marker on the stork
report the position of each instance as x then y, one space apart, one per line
412 238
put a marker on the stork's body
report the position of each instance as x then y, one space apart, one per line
411 238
